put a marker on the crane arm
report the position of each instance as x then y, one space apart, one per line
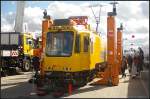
19 16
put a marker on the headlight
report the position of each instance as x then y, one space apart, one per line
48 73
67 73
20 47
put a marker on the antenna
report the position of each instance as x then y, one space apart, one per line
97 18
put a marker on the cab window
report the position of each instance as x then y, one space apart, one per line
77 44
28 41
86 43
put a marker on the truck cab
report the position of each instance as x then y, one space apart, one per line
16 50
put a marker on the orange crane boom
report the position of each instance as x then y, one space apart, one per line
46 23
111 75
119 47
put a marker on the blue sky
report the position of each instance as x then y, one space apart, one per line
7 6
133 14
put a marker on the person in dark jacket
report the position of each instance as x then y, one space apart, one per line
124 66
36 64
135 65
129 61
36 67
141 59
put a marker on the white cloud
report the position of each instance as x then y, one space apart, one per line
33 18
6 28
33 11
63 10
13 2
145 11
129 9
5 25
130 13
139 40
133 25
10 13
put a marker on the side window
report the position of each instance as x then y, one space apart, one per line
91 45
77 44
27 39
36 43
29 42
86 43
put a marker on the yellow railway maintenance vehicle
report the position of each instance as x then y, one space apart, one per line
72 53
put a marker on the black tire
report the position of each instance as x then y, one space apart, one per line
26 66
3 74
5 71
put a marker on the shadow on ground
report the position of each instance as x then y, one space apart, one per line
136 88
21 89
88 89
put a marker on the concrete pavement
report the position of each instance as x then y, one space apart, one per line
18 86
127 88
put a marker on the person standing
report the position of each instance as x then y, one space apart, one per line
134 65
36 64
141 59
123 66
129 61
36 67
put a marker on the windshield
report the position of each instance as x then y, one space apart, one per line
59 43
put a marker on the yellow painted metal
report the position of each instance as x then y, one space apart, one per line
77 61
28 49
119 48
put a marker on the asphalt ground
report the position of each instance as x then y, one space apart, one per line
17 86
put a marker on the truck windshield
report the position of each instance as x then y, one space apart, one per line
59 43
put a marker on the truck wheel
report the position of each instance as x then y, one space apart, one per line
26 66
3 74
